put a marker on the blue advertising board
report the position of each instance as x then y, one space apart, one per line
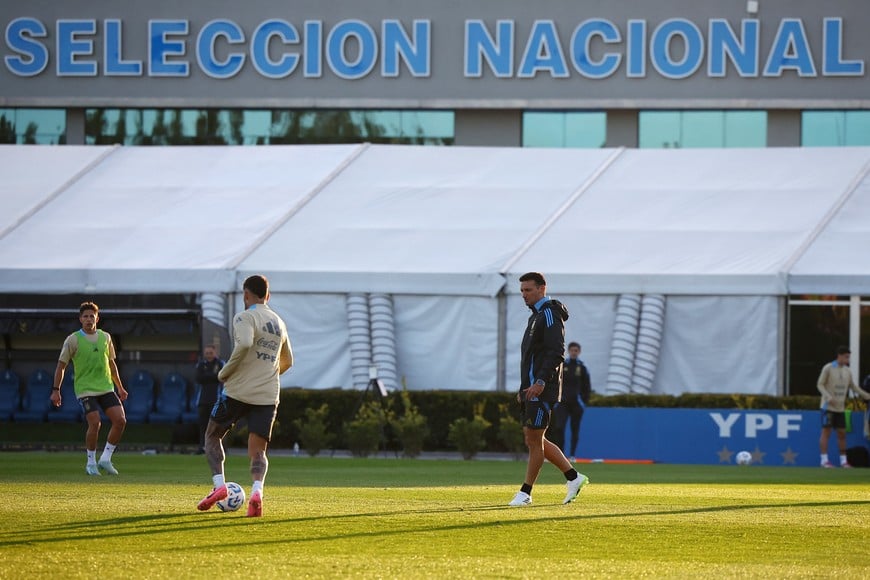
708 436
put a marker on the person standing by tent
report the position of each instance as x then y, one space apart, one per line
543 347
576 389
835 382
261 352
207 371
96 377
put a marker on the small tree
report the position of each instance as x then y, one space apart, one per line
467 434
366 431
510 432
313 433
411 428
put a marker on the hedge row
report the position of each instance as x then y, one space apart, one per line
441 408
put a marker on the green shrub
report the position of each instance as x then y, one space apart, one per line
467 434
411 428
510 432
441 408
365 432
313 433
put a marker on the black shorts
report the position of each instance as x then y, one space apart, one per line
97 402
536 414
227 412
833 419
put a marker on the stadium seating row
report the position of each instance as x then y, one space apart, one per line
170 403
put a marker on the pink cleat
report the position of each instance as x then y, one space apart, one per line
846 465
215 496
827 465
255 505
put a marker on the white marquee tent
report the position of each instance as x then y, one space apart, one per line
723 235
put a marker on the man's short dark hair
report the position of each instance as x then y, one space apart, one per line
257 285
89 306
570 344
843 350
535 277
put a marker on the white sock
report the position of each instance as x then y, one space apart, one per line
824 457
258 486
92 457
107 452
218 480
843 460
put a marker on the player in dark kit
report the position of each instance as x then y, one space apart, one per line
576 389
541 386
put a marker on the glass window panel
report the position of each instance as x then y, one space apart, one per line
383 124
815 332
34 126
543 129
256 123
822 128
257 127
668 129
435 124
745 129
7 126
149 119
189 122
658 129
857 128
585 130
702 129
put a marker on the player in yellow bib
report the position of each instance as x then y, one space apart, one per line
92 354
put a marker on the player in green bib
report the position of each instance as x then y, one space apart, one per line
92 354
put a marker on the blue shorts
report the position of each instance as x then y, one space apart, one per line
536 414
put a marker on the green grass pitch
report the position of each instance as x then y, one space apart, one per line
399 518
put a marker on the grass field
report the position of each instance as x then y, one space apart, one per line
389 518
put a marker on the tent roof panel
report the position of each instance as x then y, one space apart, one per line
418 211
169 208
838 260
32 174
698 216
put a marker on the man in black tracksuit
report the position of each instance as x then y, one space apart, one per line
541 385
210 387
576 389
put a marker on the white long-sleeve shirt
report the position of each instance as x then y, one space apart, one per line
261 352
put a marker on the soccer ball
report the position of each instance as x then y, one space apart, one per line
744 458
235 498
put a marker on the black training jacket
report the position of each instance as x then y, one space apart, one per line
543 349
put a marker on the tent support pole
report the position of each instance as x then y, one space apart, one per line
501 366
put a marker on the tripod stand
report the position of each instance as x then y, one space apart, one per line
374 389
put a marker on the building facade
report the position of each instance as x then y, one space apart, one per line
556 73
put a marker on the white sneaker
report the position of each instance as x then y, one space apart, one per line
92 469
107 466
575 487
521 499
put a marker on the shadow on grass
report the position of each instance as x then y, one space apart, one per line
116 528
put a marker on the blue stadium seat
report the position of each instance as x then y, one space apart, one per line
37 402
140 401
70 411
171 401
191 413
10 394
